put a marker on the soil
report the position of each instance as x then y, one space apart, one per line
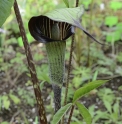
23 113
15 114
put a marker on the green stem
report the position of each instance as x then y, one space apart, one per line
56 61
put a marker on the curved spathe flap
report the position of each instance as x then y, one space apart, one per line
66 19
71 16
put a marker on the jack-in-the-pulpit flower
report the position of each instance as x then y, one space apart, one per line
52 29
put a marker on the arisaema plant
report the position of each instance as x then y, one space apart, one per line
53 29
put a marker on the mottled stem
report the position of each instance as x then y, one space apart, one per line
41 109
56 60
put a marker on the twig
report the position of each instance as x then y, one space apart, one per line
69 69
41 111
77 2
12 119
70 60
91 16
68 74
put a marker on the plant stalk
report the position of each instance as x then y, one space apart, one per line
69 69
90 25
41 110
71 113
56 60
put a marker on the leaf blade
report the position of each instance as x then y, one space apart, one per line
60 113
69 15
14 98
5 9
87 88
85 113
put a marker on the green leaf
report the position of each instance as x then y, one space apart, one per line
95 75
5 122
30 39
108 106
5 9
14 98
116 107
6 103
86 3
0 102
69 15
66 3
111 20
115 5
113 36
84 112
101 115
75 123
76 81
119 27
57 117
87 88
36 120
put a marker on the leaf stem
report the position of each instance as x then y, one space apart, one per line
41 111
70 115
90 25
69 69
77 2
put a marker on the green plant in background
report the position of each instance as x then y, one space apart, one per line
111 20
5 122
42 73
112 105
86 3
113 36
107 97
115 5
5 101
116 34
26 96
119 27
119 58
77 79
30 39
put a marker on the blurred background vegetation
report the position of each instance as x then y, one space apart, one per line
91 61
